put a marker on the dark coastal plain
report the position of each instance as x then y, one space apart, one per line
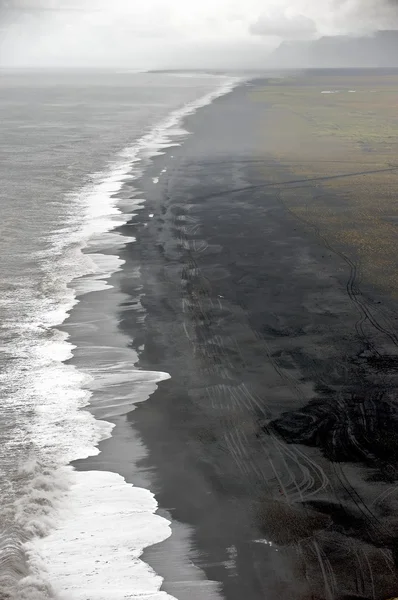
267 257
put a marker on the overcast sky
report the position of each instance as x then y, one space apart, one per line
173 33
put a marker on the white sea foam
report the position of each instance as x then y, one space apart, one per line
95 552
89 528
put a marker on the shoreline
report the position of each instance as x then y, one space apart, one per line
100 348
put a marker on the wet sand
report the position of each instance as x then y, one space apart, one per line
273 445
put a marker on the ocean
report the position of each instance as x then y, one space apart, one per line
72 145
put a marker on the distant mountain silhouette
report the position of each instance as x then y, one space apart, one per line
378 50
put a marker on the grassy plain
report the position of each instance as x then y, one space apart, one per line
339 132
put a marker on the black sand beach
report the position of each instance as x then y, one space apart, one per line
275 439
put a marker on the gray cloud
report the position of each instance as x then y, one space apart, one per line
306 19
366 15
287 27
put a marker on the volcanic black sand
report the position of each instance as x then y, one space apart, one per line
275 439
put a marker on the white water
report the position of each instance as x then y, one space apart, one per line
91 533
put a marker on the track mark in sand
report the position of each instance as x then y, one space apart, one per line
326 570
292 182
393 489
314 479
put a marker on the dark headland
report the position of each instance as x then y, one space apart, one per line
268 277
379 50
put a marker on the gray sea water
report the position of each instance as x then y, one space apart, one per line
68 141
